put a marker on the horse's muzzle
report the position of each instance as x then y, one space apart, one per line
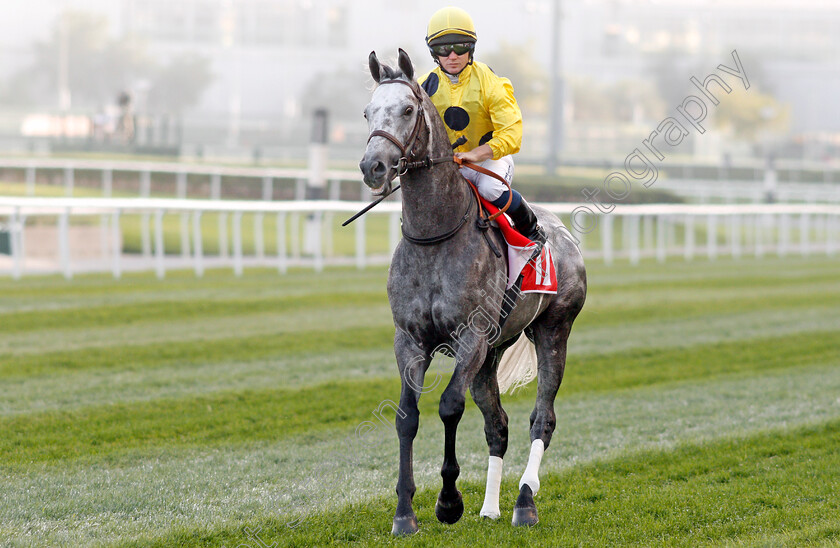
377 175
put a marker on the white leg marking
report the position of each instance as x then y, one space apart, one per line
531 476
490 509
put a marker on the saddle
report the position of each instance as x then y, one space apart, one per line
530 269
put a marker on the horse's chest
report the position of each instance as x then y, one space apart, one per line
436 296
433 313
419 303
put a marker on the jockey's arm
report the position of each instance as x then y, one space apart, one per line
506 117
476 155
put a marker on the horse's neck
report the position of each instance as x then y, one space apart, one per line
434 200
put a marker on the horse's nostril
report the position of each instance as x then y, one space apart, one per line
373 168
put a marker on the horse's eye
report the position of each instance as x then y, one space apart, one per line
408 111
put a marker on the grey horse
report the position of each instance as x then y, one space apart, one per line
439 288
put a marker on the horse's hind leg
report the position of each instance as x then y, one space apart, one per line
485 393
550 341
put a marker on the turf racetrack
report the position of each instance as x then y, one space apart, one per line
701 406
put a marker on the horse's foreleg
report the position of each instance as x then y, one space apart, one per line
551 359
450 505
413 364
485 393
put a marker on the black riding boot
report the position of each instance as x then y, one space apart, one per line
526 223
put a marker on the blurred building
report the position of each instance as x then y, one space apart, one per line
796 45
266 52
270 57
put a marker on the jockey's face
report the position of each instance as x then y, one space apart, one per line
454 63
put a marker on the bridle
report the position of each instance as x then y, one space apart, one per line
408 161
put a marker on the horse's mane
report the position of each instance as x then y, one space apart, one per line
391 72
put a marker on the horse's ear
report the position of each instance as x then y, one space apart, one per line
405 65
373 63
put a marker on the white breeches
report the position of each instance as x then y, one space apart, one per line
489 188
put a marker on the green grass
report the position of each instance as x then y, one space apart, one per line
147 356
699 407
97 316
778 488
277 413
222 418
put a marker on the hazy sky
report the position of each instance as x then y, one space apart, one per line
21 21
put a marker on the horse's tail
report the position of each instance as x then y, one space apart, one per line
518 365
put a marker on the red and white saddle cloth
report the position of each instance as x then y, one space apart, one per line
538 275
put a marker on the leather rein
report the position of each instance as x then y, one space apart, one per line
409 162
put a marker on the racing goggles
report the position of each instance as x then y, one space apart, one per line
444 50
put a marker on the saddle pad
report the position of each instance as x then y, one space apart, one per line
538 274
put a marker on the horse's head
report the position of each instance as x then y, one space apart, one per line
395 116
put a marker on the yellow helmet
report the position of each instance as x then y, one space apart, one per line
451 22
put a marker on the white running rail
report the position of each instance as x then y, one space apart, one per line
640 231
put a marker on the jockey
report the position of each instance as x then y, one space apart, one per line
478 105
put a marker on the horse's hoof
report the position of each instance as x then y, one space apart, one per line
449 511
525 511
525 516
405 525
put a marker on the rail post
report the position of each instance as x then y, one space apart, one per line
281 243
237 244
63 243
160 268
607 238
711 237
198 245
116 244
688 251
